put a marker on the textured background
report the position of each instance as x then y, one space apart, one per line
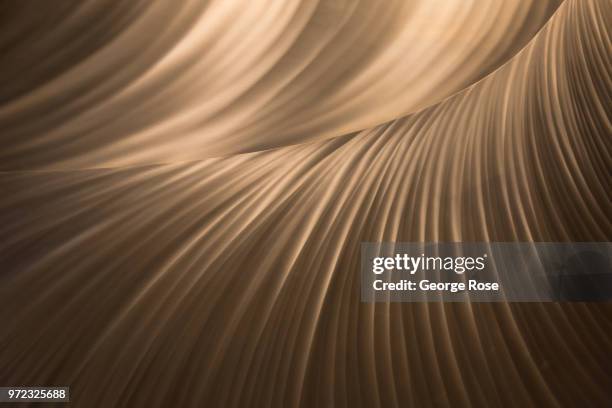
184 186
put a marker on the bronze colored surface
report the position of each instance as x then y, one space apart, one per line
185 186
